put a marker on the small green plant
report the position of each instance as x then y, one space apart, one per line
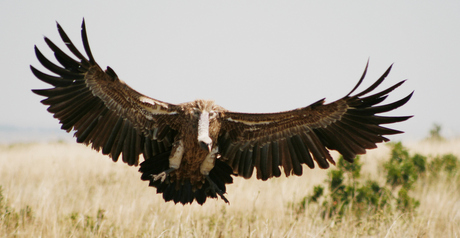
435 133
87 223
404 202
403 170
318 191
10 219
448 163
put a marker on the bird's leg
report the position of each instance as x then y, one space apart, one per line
206 167
209 161
215 189
162 176
174 161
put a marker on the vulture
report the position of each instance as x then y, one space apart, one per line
191 150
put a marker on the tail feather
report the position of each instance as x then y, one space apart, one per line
184 192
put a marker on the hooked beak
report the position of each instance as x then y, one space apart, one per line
206 146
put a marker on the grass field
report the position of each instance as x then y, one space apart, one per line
68 190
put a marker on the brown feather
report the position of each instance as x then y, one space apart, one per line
349 125
318 155
110 116
264 160
275 152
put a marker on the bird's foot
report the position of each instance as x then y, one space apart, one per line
162 176
215 189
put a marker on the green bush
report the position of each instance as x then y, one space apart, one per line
448 163
403 170
405 203
348 192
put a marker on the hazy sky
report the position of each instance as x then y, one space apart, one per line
250 56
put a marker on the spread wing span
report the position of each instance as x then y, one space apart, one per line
192 149
101 108
289 139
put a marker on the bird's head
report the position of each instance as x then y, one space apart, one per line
205 115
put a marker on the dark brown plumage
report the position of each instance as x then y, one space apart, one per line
191 150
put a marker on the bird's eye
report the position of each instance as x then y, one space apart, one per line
212 114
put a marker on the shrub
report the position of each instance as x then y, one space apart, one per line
348 192
448 163
435 133
403 170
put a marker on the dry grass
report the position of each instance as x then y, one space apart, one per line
68 190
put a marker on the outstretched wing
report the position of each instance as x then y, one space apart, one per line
102 109
292 138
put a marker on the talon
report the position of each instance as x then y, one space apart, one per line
216 189
162 176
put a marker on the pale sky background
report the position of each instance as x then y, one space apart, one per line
249 56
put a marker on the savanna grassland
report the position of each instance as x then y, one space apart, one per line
68 190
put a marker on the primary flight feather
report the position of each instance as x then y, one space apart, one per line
191 150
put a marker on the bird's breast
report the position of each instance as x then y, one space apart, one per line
190 166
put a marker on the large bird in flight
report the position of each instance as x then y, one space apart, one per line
192 150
